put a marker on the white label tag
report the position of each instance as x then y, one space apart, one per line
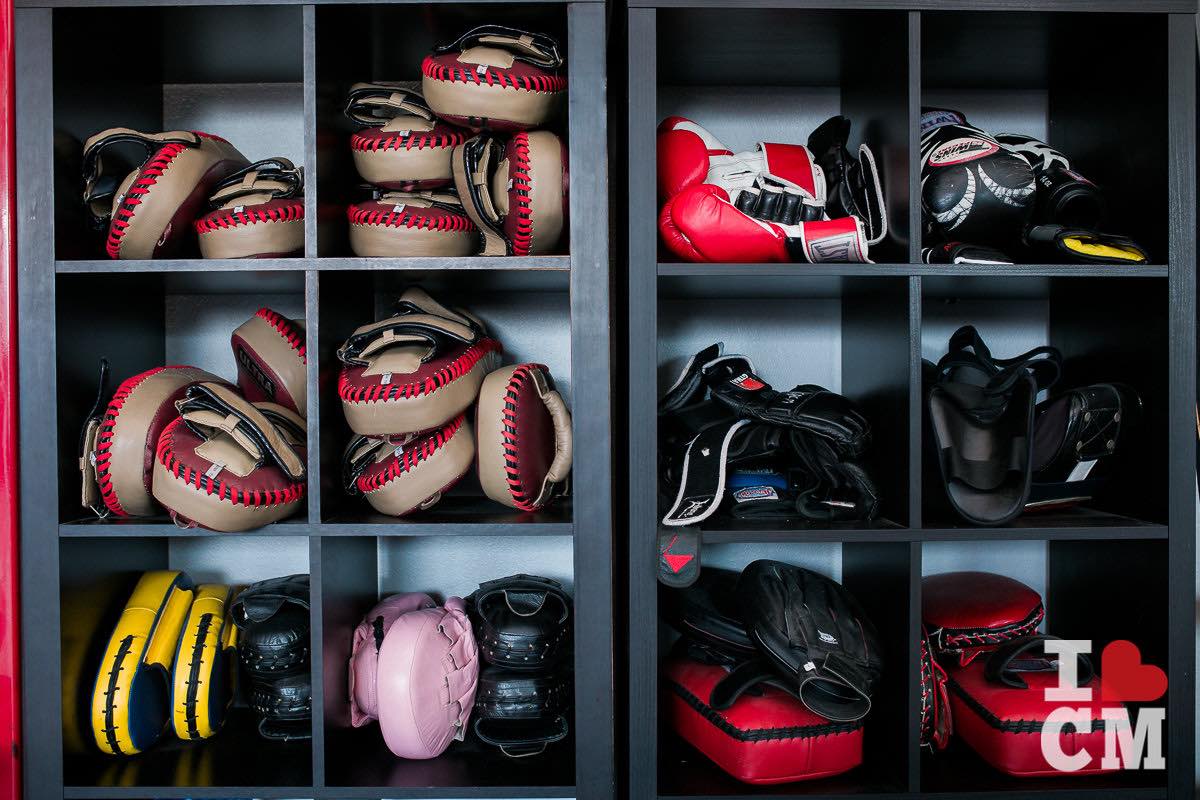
481 69
810 667
238 209
92 458
386 379
1081 471
398 208
214 470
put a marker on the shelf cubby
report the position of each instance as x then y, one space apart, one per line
386 42
138 321
203 68
1108 331
363 569
96 582
1045 83
775 74
528 314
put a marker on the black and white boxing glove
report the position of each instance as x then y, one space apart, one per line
1064 196
963 253
972 188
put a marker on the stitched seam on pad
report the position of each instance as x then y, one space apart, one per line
293 492
410 457
408 140
409 219
292 334
228 218
762 734
444 376
491 76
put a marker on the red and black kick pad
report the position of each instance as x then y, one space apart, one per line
765 736
1000 709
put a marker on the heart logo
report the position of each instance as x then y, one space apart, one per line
1125 677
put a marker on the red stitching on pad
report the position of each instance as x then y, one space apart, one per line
519 193
416 218
512 459
286 329
151 171
405 140
454 370
413 454
193 477
492 77
105 434
228 218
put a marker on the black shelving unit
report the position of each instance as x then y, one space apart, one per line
270 77
772 70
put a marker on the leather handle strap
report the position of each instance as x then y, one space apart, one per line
208 407
374 104
530 741
444 200
98 143
408 329
472 165
1008 662
534 48
556 475
278 177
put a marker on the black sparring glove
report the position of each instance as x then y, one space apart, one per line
815 635
1058 244
963 253
853 188
273 646
732 381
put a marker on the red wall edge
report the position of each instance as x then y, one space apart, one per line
10 655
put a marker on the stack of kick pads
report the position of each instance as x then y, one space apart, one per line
406 385
442 182
223 457
774 672
187 189
985 673
172 661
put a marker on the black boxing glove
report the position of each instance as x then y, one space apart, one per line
1063 195
972 188
852 185
732 381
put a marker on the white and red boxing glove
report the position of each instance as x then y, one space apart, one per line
689 155
700 224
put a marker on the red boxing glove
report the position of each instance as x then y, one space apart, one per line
700 224
689 155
